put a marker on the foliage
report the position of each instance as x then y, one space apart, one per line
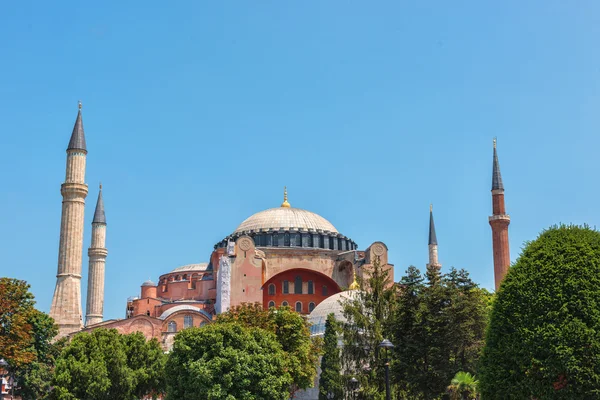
35 378
292 332
463 386
227 361
544 335
367 312
16 311
104 364
438 329
331 379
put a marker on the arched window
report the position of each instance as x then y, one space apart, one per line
185 277
298 306
271 289
311 287
172 327
271 304
324 290
298 285
285 304
188 321
177 278
148 313
286 287
311 306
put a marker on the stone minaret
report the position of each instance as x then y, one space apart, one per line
433 245
499 222
66 303
97 253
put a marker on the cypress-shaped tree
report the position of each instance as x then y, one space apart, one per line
331 379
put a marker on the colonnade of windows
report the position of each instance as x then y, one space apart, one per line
298 287
298 306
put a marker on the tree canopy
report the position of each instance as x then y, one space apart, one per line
330 380
227 361
106 365
544 335
291 330
16 312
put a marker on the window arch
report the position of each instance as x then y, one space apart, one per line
172 327
271 289
311 287
286 287
298 285
271 304
311 307
299 306
188 321
285 304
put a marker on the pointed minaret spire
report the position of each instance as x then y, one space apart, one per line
433 244
285 203
499 221
99 216
97 261
432 236
496 176
77 141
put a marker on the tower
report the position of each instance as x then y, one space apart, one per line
97 254
433 245
499 222
66 302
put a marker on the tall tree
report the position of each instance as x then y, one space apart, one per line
104 364
544 336
331 379
35 378
367 312
16 311
227 361
292 332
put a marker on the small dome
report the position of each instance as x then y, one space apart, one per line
148 283
191 267
332 304
285 217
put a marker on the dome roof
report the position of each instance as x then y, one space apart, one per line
285 217
191 267
148 283
332 304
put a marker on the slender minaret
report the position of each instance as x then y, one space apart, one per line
97 253
499 222
66 303
433 245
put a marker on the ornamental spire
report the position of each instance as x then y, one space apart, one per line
496 176
285 198
99 216
432 236
77 141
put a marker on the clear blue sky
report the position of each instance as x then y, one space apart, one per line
197 113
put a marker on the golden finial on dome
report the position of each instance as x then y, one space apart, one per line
354 285
285 200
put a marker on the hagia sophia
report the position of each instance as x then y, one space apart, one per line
282 256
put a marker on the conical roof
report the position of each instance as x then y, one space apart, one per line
432 236
496 176
77 141
99 216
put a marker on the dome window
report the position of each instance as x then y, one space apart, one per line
172 327
271 304
298 285
286 287
311 287
188 321
271 289
298 307
311 307
285 304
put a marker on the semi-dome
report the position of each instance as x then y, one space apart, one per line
286 218
332 304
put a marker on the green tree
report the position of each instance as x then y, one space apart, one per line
331 379
16 311
543 339
292 332
35 378
463 386
367 312
227 361
438 329
104 364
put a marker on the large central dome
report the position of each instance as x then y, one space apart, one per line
286 218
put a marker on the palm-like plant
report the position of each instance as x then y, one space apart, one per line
463 386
